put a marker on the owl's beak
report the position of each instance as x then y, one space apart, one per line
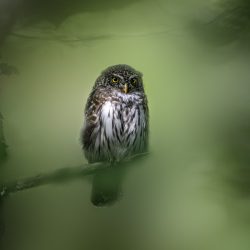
125 88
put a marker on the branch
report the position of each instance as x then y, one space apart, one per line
61 175
60 37
70 39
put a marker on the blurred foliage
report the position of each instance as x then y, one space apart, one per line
235 140
56 11
1 219
28 12
230 19
6 69
8 16
230 22
3 146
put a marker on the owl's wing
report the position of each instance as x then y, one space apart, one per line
93 106
146 110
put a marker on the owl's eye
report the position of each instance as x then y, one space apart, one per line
134 81
115 80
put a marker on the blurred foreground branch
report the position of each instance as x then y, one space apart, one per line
61 175
57 176
59 37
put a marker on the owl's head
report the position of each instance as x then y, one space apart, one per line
121 77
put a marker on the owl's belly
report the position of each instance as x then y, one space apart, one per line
121 131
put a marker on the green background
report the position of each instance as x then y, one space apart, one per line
192 192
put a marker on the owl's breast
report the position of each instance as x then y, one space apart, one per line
121 129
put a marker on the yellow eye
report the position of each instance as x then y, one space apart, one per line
134 81
115 80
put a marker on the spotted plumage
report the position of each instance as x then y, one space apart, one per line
116 125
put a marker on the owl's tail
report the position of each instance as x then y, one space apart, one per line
106 187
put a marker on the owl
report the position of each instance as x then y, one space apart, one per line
115 127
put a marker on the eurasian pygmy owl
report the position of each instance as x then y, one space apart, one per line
116 126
